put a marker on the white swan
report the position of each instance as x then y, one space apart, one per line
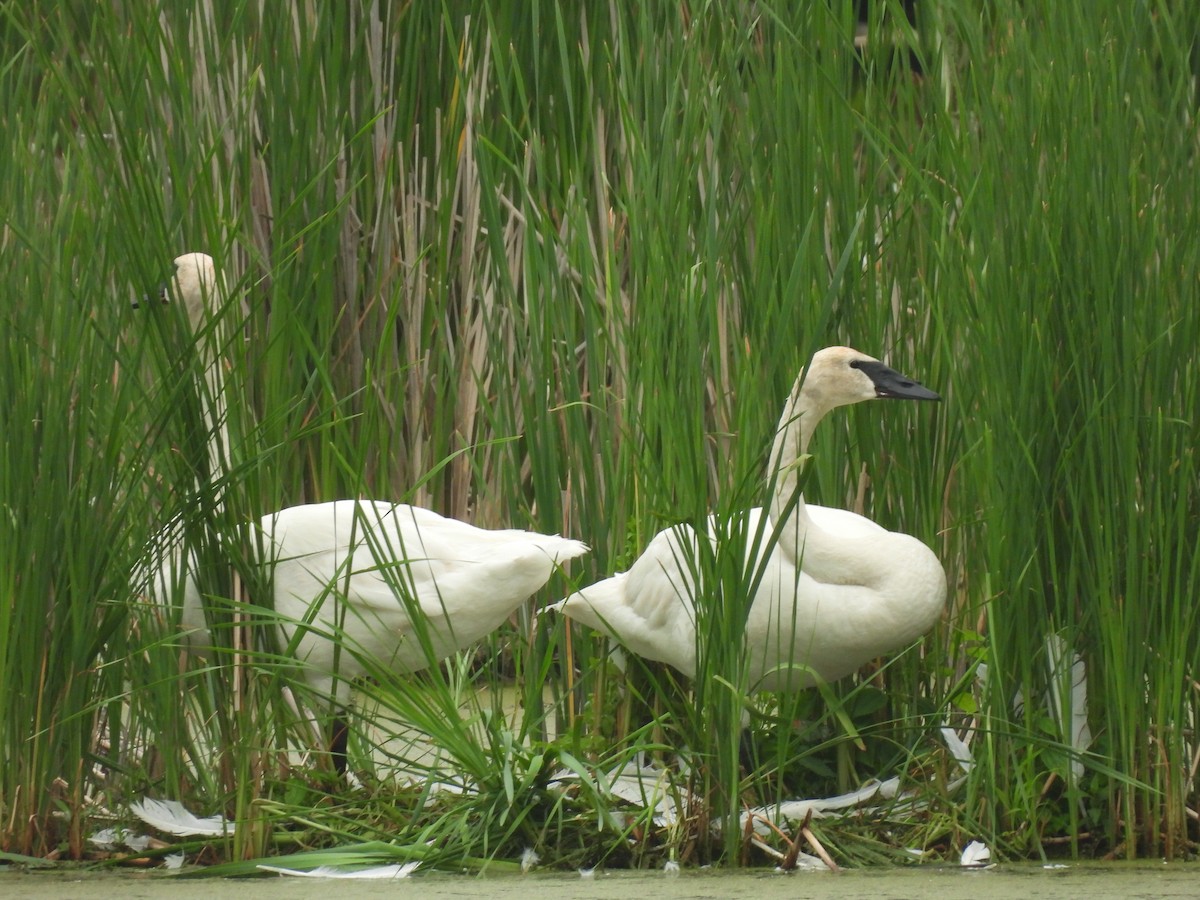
836 590
352 580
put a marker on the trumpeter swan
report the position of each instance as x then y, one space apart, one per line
836 589
362 584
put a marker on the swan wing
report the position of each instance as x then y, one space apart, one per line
399 583
801 626
825 619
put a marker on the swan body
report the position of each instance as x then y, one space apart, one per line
354 580
399 585
463 581
836 589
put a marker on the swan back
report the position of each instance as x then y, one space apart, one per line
398 584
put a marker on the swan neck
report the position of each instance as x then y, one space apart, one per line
211 345
796 426
216 422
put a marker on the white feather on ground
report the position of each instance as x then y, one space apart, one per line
976 855
398 870
170 817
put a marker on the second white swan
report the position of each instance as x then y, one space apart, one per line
836 589
358 585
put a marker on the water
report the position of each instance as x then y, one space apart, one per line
1093 881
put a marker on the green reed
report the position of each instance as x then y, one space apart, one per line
556 267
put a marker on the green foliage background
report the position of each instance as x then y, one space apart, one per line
555 265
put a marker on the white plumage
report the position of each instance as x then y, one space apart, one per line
357 569
369 578
836 590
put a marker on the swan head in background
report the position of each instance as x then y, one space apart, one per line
195 284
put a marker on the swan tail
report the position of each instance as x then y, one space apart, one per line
561 549
509 572
596 604
542 556
650 632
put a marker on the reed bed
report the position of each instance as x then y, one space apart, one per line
554 265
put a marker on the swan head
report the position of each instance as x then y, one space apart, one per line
839 376
195 284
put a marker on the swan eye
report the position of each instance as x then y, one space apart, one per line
856 363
